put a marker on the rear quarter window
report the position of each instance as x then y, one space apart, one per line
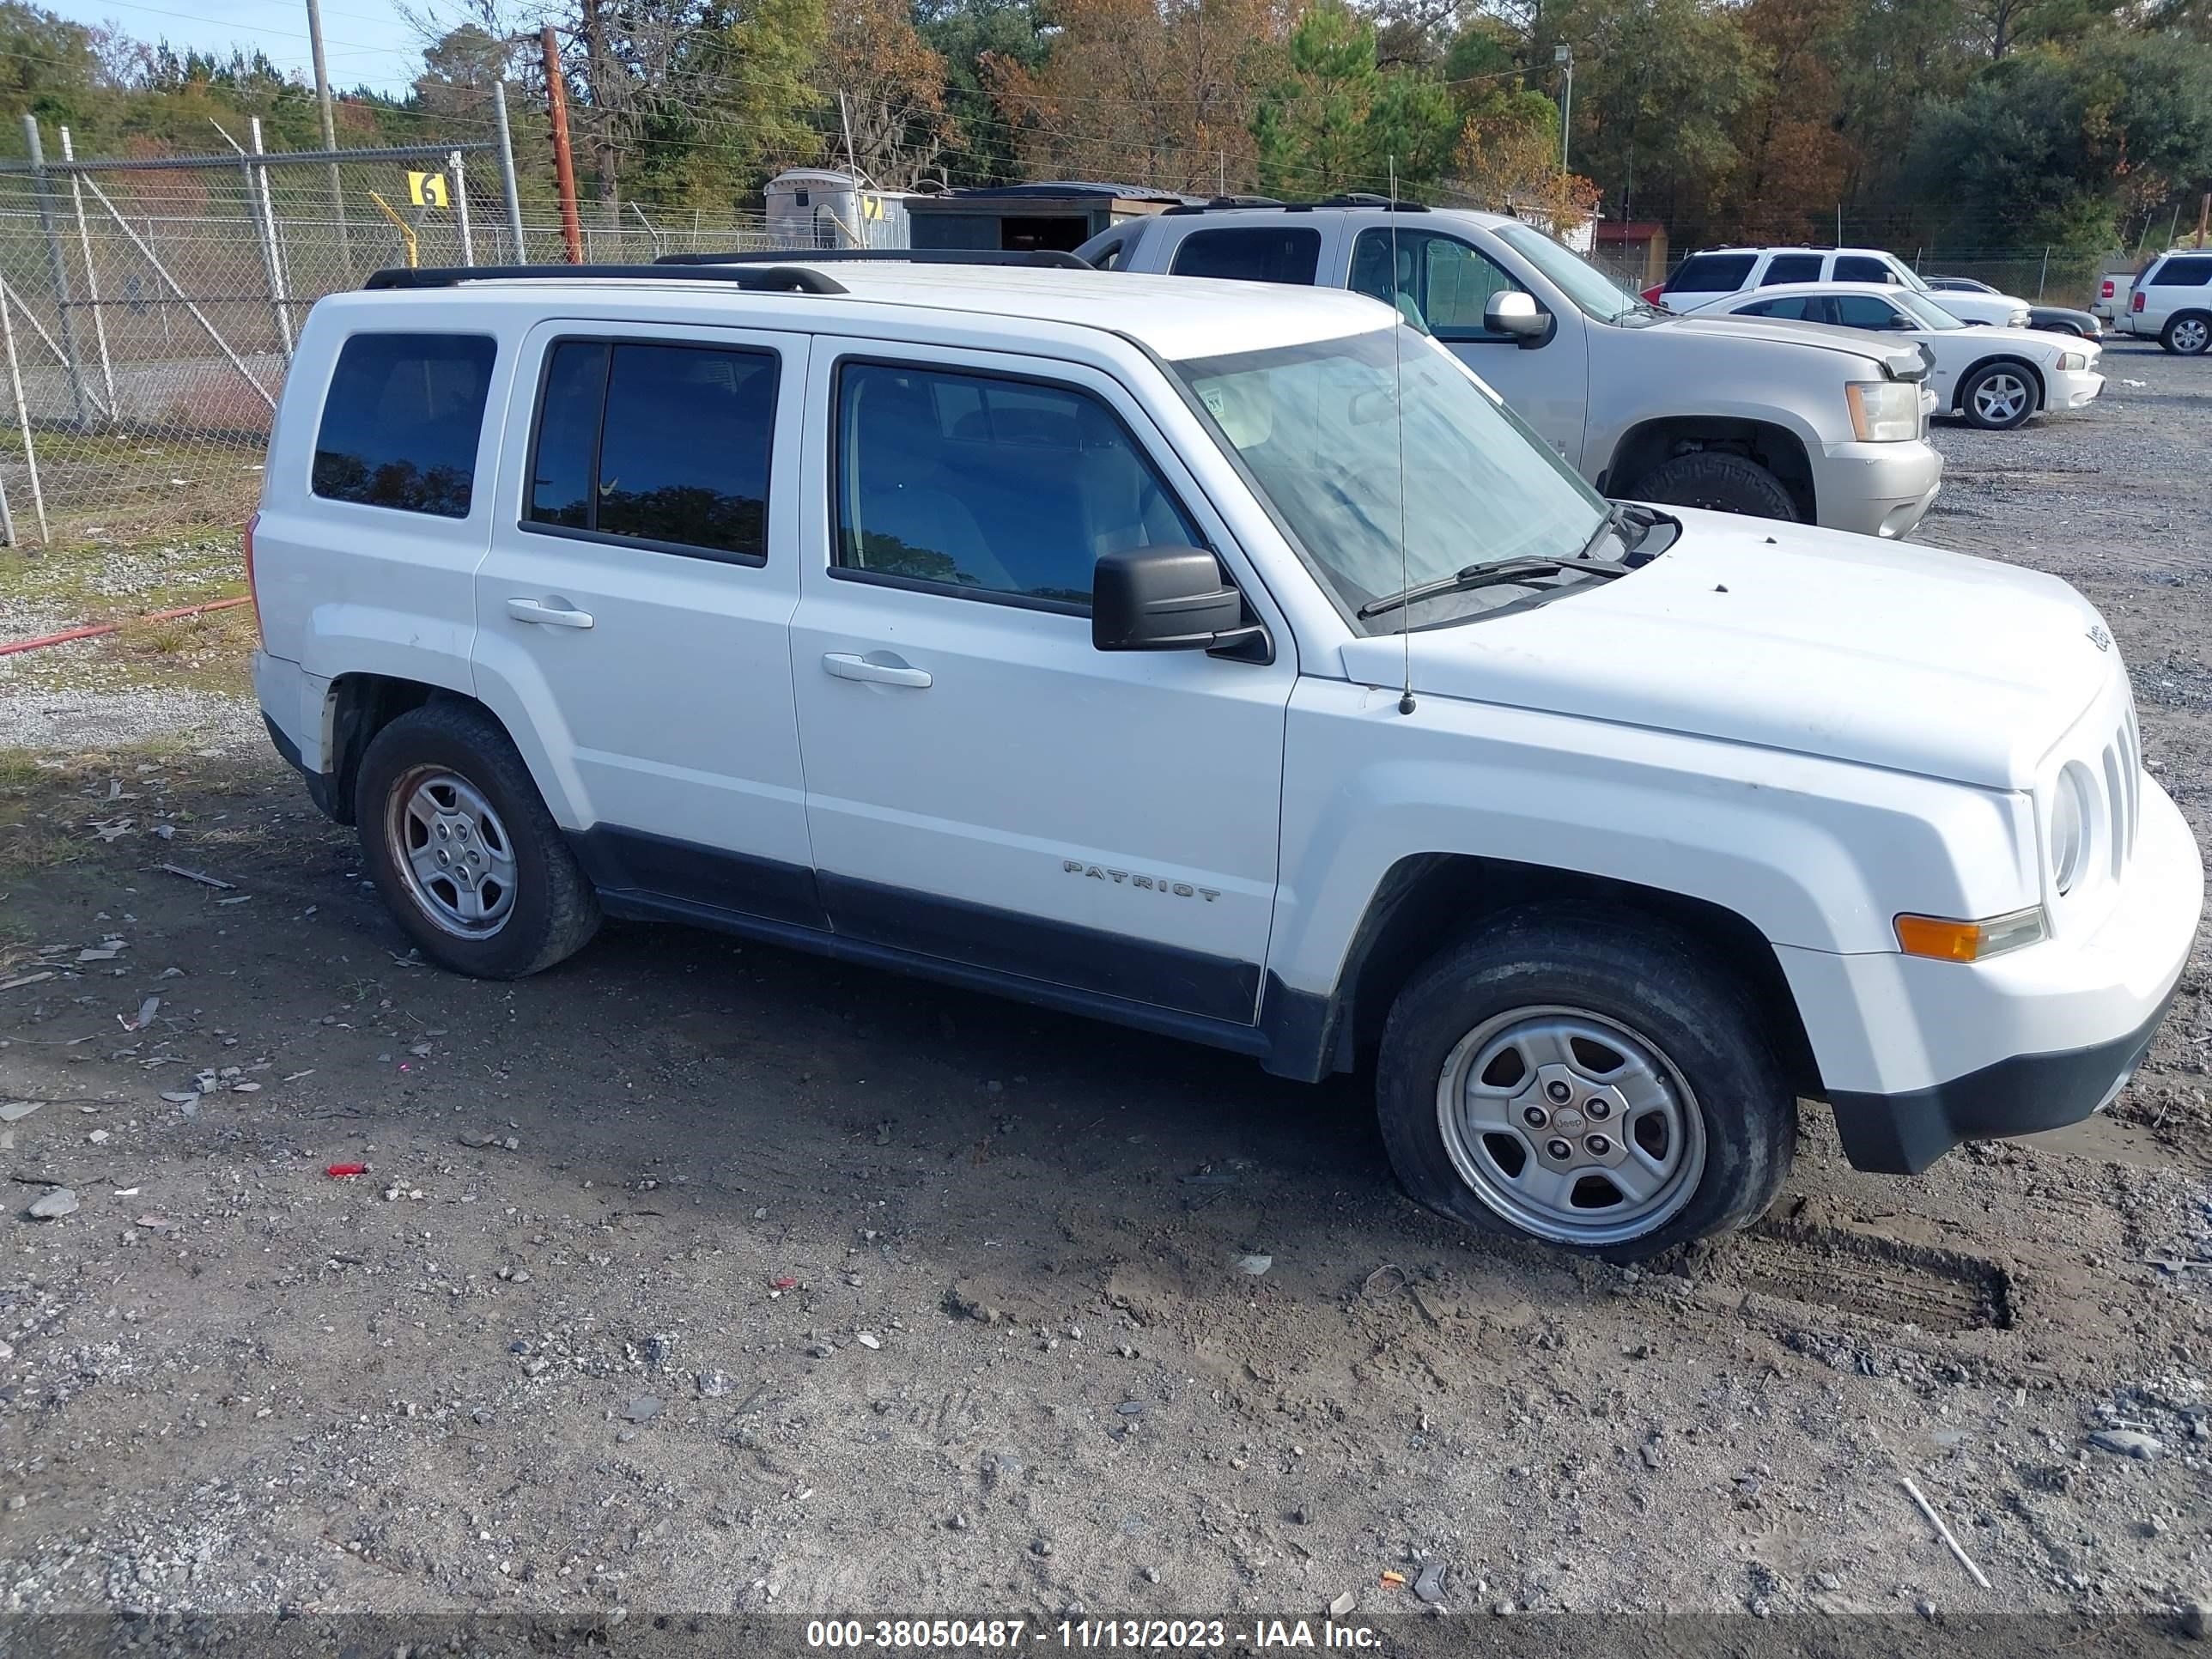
1712 273
1255 253
402 421
2183 273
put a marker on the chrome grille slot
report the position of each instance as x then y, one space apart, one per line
2116 803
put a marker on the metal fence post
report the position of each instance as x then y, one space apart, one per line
44 182
91 287
264 222
461 208
507 186
2044 275
23 425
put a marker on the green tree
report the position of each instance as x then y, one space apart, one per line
1336 120
2047 146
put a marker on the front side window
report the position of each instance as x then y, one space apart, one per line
1792 307
402 421
1858 268
1861 311
1439 282
1319 429
1254 253
991 486
664 445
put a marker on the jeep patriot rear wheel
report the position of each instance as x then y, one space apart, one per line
462 847
1586 1079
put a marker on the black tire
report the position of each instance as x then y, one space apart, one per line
2186 333
2015 409
1644 979
550 911
1714 479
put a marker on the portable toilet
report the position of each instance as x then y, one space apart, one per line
820 206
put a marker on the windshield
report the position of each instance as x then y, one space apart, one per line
1590 289
1908 276
1926 312
1316 426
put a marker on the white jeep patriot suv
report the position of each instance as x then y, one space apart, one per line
1223 659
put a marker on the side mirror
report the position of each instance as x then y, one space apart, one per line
1513 313
1169 598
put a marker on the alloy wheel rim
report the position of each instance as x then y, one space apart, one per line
1570 1125
452 851
2000 397
2190 336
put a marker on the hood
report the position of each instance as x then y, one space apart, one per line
1810 640
1901 358
1969 306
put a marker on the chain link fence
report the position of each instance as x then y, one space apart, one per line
147 311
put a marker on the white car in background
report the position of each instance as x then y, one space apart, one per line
2172 303
1719 273
1994 377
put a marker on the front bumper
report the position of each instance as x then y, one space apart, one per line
1875 489
2072 388
1944 1052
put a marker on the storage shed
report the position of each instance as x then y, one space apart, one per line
1063 214
818 206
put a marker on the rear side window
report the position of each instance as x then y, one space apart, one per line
1712 273
402 420
664 444
1858 268
989 487
2183 273
1792 268
1252 253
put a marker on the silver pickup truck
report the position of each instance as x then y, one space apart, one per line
1780 420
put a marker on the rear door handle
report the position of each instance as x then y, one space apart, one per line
552 615
848 666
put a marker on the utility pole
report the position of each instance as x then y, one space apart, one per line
1564 56
329 129
564 168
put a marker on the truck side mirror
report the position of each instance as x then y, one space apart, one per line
1170 598
1513 313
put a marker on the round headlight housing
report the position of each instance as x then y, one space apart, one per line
2070 826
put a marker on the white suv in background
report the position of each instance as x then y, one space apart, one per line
1715 272
1225 660
2172 303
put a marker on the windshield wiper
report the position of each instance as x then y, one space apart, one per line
1494 575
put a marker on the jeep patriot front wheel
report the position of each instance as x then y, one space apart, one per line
1585 1078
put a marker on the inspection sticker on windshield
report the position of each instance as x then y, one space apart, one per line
1216 404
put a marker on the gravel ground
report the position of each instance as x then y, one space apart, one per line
694 1277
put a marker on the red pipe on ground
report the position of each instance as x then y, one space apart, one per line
14 647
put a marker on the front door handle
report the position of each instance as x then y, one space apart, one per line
848 666
552 614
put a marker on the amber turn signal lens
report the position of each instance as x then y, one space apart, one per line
1942 940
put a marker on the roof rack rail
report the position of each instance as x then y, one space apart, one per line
1047 258
1221 204
769 279
1354 199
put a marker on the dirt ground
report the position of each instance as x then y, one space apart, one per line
695 1277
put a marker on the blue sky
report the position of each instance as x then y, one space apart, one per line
365 41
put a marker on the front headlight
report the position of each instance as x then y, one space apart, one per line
1884 411
2073 360
2069 827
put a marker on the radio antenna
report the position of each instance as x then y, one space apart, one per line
1398 407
